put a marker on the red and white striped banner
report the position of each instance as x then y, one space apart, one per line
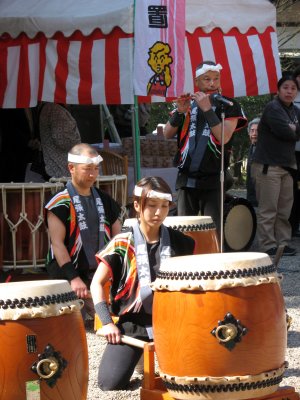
98 69
159 47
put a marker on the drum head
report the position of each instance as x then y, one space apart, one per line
202 272
239 224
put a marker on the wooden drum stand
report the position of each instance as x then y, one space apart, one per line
153 387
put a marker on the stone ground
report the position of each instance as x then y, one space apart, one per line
289 267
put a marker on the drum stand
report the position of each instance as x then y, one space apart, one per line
153 387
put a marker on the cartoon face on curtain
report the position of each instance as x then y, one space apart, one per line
159 48
159 61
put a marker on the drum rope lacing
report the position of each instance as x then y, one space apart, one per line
233 274
38 300
23 216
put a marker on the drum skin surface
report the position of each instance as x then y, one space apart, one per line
239 224
65 333
188 313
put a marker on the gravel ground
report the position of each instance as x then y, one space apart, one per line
289 267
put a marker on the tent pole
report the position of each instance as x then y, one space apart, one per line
136 139
135 124
111 124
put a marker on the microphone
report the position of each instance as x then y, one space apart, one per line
216 97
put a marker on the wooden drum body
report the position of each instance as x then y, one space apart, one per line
43 342
201 229
229 337
25 238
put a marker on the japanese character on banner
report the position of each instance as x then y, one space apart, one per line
80 217
82 225
76 199
78 207
159 48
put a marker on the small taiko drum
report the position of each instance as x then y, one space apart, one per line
201 228
43 342
228 339
239 224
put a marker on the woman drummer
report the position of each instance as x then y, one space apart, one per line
131 261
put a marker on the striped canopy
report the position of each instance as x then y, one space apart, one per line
81 52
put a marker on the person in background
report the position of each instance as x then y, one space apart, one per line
122 115
81 221
197 123
131 261
58 133
252 131
296 75
273 167
295 213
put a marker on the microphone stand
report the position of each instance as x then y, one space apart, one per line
222 179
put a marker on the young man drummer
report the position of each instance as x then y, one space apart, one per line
197 124
81 220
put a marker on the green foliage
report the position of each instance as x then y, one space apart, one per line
159 114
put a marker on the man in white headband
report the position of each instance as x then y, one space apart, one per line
197 123
81 221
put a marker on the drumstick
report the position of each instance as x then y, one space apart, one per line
127 340
278 255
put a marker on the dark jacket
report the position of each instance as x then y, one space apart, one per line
276 140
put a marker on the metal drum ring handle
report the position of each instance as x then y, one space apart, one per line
52 365
228 332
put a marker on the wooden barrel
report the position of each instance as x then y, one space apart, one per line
43 342
219 326
201 228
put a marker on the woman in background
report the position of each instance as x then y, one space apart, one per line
274 164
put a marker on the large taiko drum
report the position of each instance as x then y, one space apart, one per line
228 337
43 342
201 228
25 238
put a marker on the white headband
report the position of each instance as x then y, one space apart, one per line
206 67
153 194
84 159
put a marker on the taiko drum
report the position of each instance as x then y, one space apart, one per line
25 237
219 326
43 342
201 228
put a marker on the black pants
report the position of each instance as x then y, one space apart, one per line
206 202
119 360
117 366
